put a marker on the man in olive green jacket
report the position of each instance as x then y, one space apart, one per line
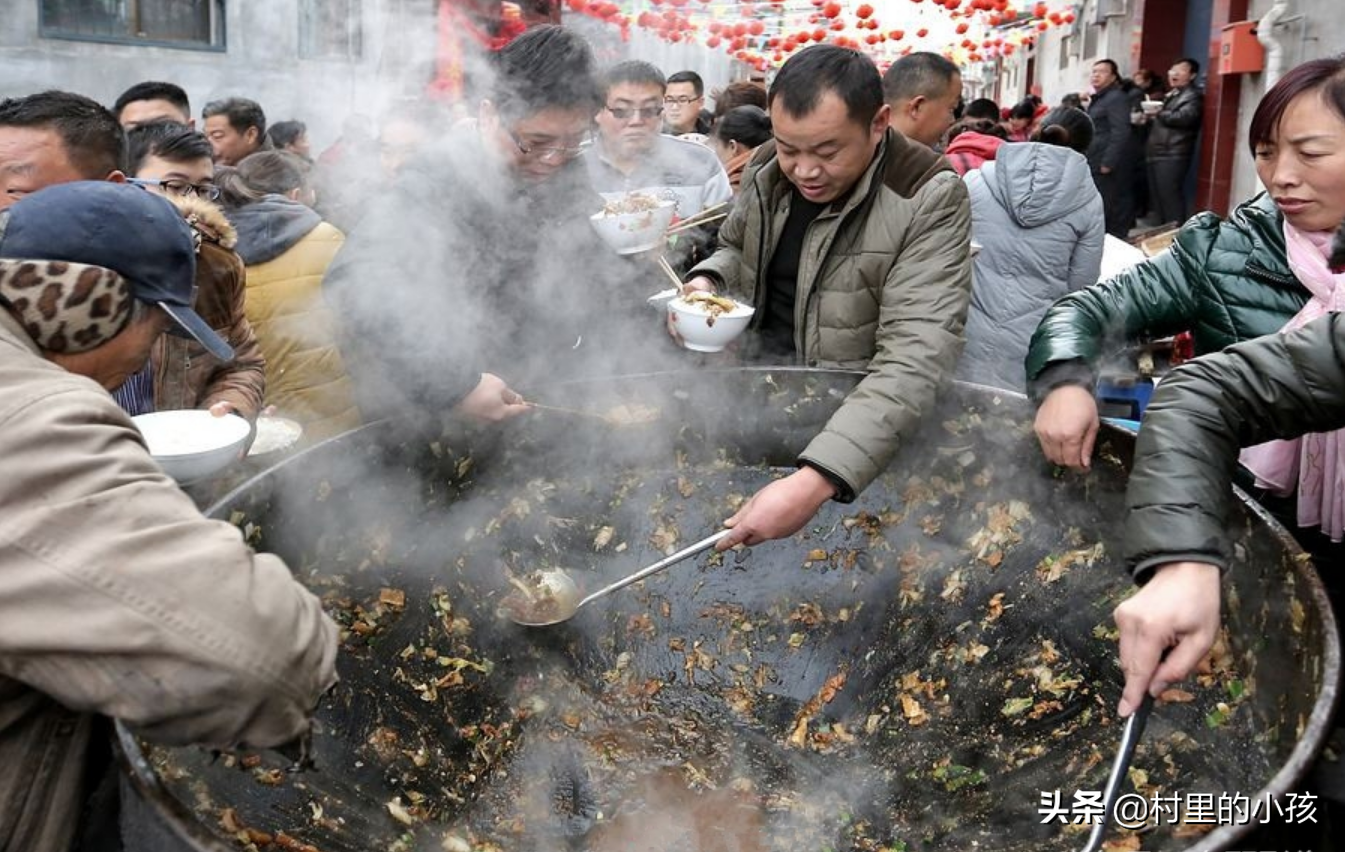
1177 544
853 245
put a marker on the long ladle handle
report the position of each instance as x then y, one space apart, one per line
1130 738
684 553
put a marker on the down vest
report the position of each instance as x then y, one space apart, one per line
1280 387
1223 280
884 279
1038 218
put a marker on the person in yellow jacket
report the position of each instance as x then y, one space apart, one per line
286 248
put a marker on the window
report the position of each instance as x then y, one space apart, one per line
330 29
192 24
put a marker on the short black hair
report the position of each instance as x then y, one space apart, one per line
283 133
697 84
1024 109
241 113
915 75
809 74
153 90
749 125
1190 63
632 71
1115 71
982 108
168 140
94 140
546 67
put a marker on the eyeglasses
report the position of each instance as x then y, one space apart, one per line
548 152
680 100
180 188
640 113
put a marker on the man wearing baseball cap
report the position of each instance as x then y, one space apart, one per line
118 598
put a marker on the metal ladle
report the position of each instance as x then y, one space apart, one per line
1130 738
564 594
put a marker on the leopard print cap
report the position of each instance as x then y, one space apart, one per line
66 307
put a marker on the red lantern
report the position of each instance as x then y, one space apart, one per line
897 35
713 41
951 5
837 26
756 28
864 11
1043 26
1069 17
921 33
740 29
1039 10
819 34
962 28
832 9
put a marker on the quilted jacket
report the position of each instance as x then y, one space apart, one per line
1223 280
1282 386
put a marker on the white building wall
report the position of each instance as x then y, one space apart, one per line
261 61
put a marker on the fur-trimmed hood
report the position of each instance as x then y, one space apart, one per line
207 219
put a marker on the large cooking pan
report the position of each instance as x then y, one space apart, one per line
916 668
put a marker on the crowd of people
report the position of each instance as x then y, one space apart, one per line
875 221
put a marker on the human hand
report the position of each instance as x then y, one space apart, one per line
699 284
222 408
778 510
491 401
1179 609
1067 425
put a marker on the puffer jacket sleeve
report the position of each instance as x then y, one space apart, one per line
1279 386
1155 297
119 598
919 338
241 382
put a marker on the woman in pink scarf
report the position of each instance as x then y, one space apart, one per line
1298 136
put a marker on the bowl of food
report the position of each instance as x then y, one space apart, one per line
634 222
706 322
193 444
1151 107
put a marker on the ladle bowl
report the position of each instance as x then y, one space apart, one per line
557 596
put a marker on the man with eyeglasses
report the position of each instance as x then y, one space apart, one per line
479 263
175 161
684 105
632 155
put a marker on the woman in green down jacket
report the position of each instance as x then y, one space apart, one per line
1261 271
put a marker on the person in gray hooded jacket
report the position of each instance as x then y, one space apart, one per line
1039 221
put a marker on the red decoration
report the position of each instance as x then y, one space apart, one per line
962 28
756 28
1039 10
921 33
897 35
864 11
832 9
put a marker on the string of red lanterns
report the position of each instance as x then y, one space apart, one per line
766 43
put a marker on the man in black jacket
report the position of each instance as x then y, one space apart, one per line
1109 155
1172 142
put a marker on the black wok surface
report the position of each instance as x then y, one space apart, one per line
912 671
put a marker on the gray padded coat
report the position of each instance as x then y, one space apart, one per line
1038 218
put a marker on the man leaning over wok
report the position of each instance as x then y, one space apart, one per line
870 271
117 598
482 256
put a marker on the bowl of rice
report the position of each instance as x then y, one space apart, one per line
193 444
634 221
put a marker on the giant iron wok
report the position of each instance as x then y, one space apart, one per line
915 670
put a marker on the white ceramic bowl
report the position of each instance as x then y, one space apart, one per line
1151 107
630 233
193 444
701 332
